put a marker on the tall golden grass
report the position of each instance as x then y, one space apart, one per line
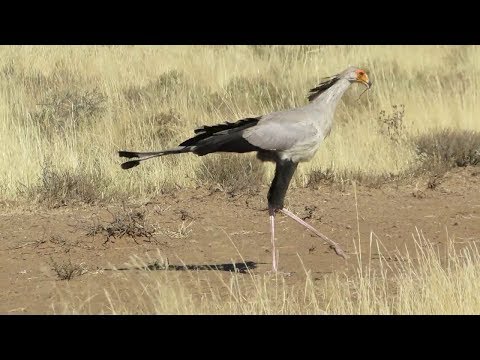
432 280
68 109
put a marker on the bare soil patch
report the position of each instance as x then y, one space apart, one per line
44 251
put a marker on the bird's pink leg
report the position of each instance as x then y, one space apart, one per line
272 232
333 244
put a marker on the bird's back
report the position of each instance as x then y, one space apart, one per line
294 133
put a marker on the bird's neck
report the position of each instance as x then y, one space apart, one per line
333 94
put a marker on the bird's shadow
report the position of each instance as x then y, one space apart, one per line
241 267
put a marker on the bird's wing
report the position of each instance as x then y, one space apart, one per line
281 131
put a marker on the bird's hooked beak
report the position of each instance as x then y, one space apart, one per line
362 77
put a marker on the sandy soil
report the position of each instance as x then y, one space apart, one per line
30 236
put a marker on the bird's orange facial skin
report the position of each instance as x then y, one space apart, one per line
362 77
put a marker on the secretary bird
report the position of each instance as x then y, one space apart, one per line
283 137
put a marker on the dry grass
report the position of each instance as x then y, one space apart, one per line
74 106
129 223
67 270
221 171
450 148
58 187
425 280
429 280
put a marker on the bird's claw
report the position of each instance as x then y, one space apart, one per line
339 251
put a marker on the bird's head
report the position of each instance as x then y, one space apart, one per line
354 74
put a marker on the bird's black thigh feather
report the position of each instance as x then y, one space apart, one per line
284 171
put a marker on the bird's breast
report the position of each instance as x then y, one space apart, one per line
303 151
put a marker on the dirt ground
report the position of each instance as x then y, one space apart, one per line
32 236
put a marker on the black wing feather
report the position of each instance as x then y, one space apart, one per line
206 131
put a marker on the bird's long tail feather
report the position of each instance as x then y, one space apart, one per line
148 155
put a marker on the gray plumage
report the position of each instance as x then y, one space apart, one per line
284 137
